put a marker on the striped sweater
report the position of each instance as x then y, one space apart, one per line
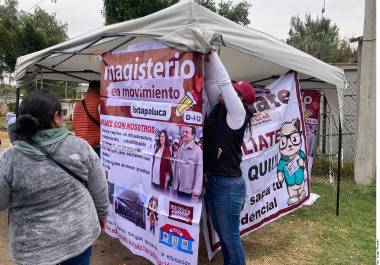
83 126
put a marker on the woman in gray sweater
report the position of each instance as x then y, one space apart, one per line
53 217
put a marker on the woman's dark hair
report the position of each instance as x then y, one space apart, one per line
158 145
248 117
249 113
36 113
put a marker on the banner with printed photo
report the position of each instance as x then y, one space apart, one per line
311 106
274 162
151 138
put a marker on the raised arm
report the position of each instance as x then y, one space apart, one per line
218 82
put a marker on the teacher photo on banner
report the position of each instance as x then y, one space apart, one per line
188 167
161 167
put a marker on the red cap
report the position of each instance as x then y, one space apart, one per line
246 90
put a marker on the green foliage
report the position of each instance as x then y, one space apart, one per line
209 4
22 33
322 166
5 90
320 38
40 30
9 35
238 13
344 53
121 10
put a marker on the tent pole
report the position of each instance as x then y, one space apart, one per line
87 46
121 44
17 100
324 125
265 79
339 166
90 45
60 72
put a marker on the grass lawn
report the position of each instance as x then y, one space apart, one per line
315 235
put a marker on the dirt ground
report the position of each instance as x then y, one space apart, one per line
107 251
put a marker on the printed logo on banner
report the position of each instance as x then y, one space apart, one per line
268 100
177 238
261 118
193 117
152 110
181 213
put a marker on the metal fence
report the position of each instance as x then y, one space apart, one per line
328 133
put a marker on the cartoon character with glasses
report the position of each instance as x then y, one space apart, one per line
292 163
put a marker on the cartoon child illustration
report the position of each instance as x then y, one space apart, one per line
152 213
292 162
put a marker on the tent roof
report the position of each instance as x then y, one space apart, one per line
247 53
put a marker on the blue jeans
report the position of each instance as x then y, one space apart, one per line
225 199
81 259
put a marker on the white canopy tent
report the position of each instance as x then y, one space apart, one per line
247 53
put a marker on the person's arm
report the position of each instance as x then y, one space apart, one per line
97 185
5 186
216 74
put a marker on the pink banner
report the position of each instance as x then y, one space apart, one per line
311 106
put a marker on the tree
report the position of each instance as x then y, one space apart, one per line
22 33
9 32
121 10
344 53
41 30
320 38
238 13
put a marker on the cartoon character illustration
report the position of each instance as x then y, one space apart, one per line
292 162
152 213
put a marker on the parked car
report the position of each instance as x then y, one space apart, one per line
130 205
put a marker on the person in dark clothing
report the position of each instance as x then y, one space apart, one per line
223 135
